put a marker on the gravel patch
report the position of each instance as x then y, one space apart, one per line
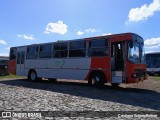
23 95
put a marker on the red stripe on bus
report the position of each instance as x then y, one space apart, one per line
12 67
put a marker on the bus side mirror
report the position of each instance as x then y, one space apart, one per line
131 44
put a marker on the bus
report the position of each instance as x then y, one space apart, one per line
115 59
153 63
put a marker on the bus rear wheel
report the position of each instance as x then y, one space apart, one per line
32 76
97 79
53 80
115 84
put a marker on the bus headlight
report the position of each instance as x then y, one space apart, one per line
134 75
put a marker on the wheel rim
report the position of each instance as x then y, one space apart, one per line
95 79
33 76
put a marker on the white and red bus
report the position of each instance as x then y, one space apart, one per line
116 59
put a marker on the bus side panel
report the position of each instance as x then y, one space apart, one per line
12 67
101 64
72 68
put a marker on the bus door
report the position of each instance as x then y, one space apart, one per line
117 61
20 70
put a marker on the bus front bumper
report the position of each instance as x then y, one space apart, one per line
136 80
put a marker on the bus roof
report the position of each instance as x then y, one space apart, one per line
96 37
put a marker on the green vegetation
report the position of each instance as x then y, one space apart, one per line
157 77
10 76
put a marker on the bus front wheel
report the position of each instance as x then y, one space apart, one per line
32 75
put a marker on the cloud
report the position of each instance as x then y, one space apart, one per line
4 54
87 31
26 37
90 30
80 33
58 27
145 11
104 34
152 43
3 42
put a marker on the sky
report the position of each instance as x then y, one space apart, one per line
24 22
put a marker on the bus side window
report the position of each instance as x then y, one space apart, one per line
77 49
45 51
32 52
60 50
98 47
12 55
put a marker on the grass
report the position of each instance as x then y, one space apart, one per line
157 78
10 76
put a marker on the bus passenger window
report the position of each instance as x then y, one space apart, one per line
77 49
12 55
32 52
60 50
45 51
98 47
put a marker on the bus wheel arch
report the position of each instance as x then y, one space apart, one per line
32 75
97 78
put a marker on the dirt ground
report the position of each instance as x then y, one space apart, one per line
150 84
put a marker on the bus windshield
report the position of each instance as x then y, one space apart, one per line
136 51
152 60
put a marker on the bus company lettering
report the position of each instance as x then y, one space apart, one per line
59 63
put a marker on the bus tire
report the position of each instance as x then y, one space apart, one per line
52 80
97 79
115 84
32 75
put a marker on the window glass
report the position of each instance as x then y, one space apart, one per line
46 48
60 53
22 57
152 60
60 46
98 47
77 49
98 52
45 51
32 52
32 49
78 45
77 53
134 52
98 43
60 50
18 58
12 53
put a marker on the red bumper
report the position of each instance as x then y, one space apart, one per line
136 80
